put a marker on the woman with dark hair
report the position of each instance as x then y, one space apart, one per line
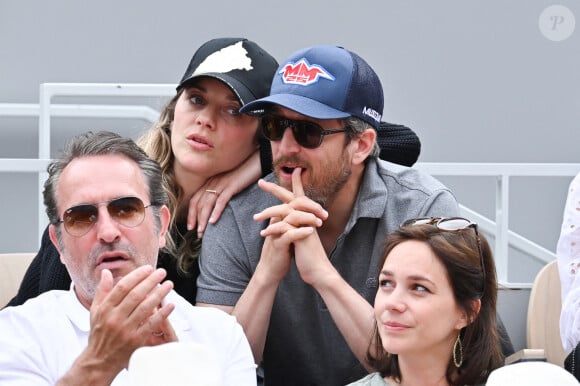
435 309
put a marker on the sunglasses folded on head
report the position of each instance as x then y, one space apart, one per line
126 211
307 134
442 223
451 224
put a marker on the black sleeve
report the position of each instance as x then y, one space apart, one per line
45 273
572 362
183 284
398 143
265 156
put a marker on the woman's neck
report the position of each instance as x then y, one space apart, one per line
189 183
423 370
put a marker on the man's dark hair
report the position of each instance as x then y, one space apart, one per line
96 144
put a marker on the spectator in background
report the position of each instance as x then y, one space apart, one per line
568 256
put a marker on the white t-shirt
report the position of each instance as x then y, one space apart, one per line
40 339
568 254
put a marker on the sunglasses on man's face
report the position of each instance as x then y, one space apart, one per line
451 224
126 211
307 134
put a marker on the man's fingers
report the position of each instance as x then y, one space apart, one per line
144 300
279 192
273 212
282 227
297 187
158 325
133 289
296 218
299 218
127 283
293 234
300 205
104 287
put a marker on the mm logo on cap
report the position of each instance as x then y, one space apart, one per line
302 73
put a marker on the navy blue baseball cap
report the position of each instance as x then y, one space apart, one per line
325 82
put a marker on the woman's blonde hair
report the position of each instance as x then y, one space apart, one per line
156 142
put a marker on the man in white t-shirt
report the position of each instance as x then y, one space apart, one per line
109 217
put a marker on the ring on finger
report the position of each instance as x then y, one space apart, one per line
157 333
212 191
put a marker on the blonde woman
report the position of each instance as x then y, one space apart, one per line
208 152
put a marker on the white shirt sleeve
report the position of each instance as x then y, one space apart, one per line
568 255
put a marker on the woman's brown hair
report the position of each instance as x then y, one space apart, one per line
459 252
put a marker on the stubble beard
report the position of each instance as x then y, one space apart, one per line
88 281
324 183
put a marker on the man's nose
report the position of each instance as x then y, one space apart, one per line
288 141
107 228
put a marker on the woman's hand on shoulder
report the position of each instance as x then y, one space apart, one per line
208 203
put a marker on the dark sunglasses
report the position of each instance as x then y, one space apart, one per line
307 134
126 211
451 224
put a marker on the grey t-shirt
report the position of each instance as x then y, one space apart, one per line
303 345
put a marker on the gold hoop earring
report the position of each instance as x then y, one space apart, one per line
459 362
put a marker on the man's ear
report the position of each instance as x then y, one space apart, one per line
164 218
365 143
54 239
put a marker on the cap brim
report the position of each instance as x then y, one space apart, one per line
300 104
241 91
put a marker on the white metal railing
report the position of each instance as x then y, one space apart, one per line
499 228
83 111
46 110
50 90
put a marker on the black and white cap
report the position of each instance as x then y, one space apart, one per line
240 63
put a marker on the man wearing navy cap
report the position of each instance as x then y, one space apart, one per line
296 257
